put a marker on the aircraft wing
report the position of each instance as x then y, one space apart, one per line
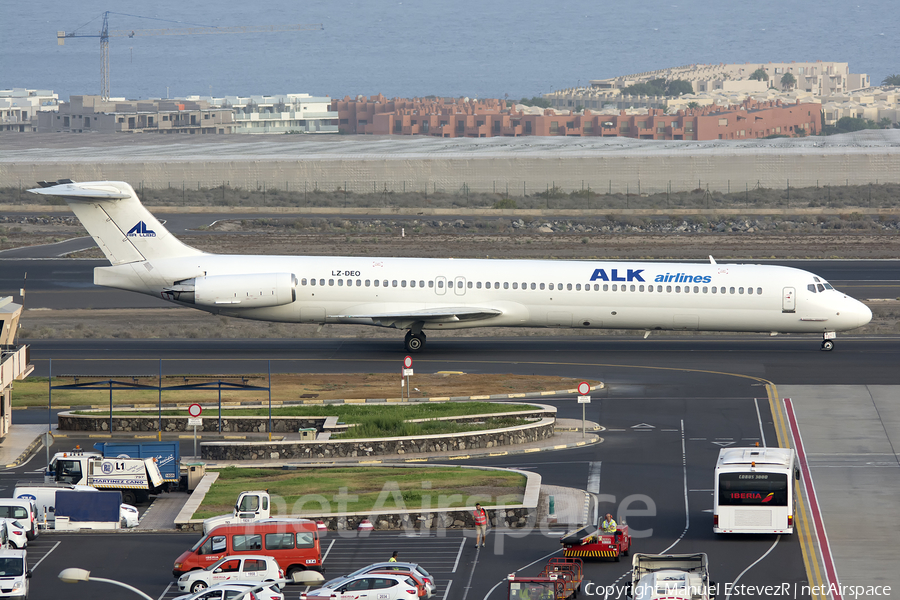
443 314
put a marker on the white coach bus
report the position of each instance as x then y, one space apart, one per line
753 490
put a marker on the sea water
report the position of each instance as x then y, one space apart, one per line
405 48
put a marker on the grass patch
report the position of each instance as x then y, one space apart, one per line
378 426
309 491
357 413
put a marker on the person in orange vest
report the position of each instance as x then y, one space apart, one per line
480 525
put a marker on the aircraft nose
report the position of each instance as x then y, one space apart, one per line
863 313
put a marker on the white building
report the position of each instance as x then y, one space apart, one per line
841 93
19 108
818 77
873 104
13 359
284 113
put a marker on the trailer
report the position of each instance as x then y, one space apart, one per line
77 509
590 542
560 579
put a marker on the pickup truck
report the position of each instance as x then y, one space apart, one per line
250 507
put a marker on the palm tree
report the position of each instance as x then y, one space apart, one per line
891 80
885 123
693 105
788 81
759 75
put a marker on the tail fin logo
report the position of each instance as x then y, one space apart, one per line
140 230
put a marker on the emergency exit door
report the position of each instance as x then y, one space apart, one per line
788 303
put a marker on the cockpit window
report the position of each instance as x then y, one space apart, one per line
811 287
828 286
816 279
821 287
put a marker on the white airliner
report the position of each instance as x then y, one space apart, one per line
427 293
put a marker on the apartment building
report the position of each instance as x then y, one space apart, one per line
874 104
19 108
90 114
818 77
488 118
14 359
283 113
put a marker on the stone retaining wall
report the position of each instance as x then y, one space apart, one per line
68 421
297 450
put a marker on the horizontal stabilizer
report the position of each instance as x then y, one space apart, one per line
81 191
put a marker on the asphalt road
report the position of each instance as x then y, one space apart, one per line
668 408
670 404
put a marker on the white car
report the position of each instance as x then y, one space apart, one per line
16 533
228 591
129 516
232 569
375 586
420 571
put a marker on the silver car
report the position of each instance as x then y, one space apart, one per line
430 584
374 586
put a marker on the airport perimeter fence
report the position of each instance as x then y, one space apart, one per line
579 195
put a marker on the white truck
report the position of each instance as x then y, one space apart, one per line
671 576
136 478
250 506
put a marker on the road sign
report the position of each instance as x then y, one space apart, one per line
407 362
584 388
584 399
407 372
194 410
195 421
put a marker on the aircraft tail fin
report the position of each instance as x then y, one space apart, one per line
114 216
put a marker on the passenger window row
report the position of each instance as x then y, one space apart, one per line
515 285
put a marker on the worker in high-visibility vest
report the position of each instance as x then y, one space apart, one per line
480 525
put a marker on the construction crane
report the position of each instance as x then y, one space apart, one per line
105 34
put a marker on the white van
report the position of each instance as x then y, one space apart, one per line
44 499
14 573
23 511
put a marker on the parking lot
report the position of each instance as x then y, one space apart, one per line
441 557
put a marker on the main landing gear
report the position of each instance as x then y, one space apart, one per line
414 342
828 342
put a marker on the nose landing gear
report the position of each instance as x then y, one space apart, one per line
414 342
828 342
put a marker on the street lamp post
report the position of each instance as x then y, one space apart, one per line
75 575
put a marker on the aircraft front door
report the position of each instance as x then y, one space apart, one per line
460 286
788 302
